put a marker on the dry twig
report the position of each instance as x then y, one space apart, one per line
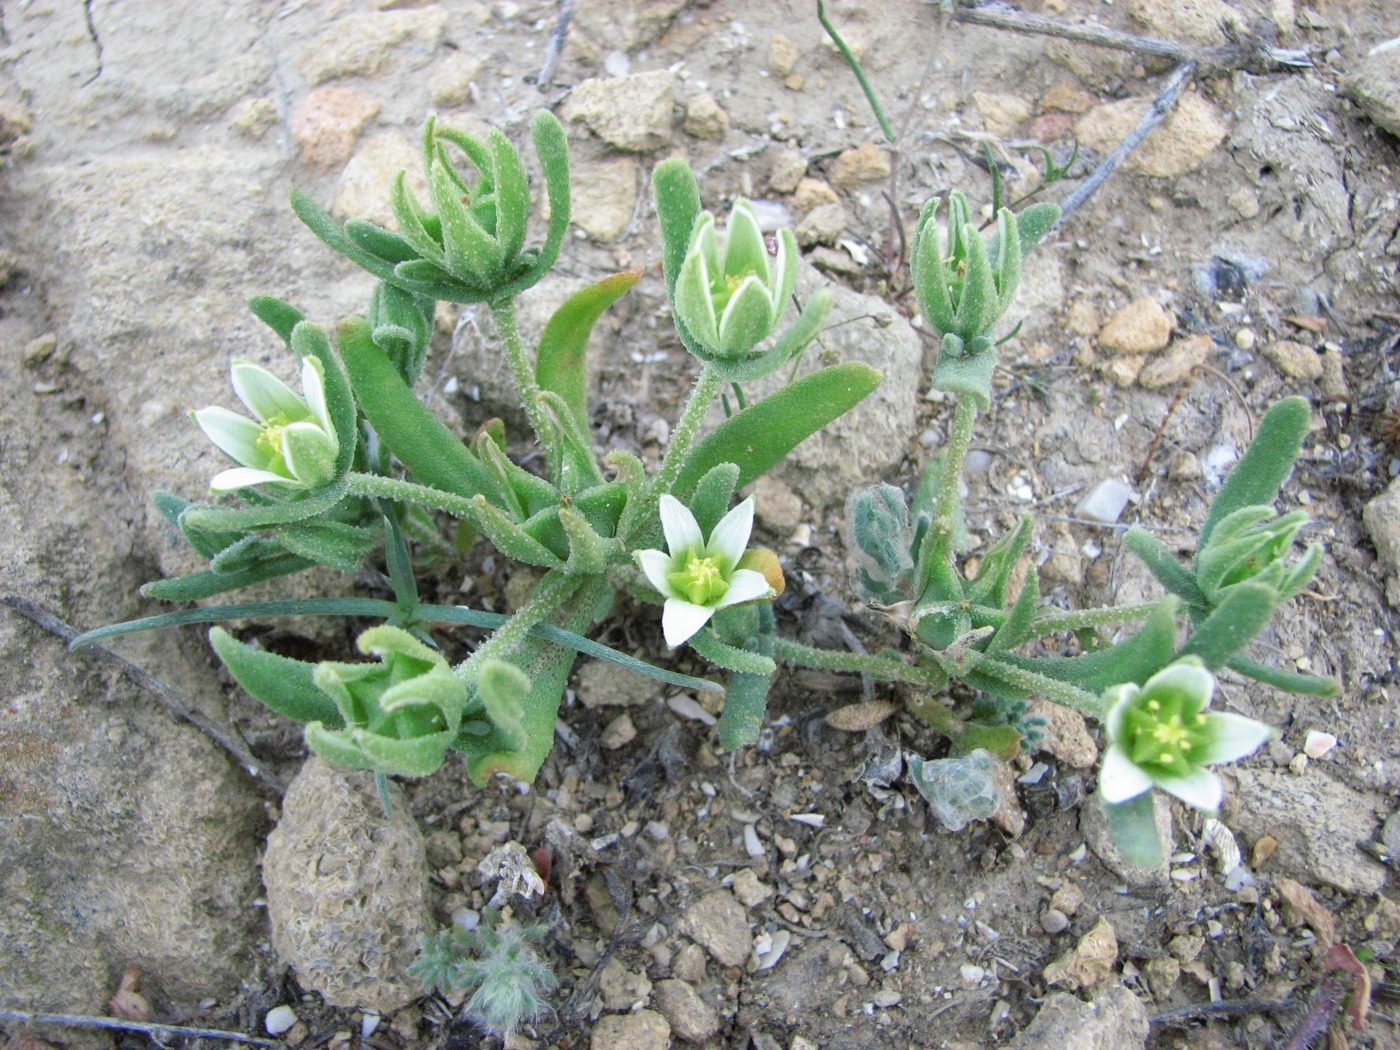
157 1032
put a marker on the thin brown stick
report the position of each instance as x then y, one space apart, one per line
1243 51
1162 428
555 47
1228 1008
157 1032
173 701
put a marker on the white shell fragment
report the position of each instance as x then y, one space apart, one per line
689 707
1318 743
812 820
279 1020
1105 501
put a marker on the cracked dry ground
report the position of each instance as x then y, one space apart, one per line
783 897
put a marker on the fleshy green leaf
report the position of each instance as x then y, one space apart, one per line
713 494
1261 471
331 543
1241 612
279 316
762 434
561 364
1288 681
677 204
1170 573
1133 826
283 684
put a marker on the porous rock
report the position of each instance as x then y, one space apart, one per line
605 195
705 118
361 44
1382 519
719 924
327 123
631 113
1375 87
1114 1020
347 888
1141 327
643 1030
1178 145
690 1017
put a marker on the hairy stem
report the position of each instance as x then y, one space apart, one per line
879 667
954 456
523 371
410 492
550 593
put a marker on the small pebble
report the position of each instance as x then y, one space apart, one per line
887 998
1052 920
1245 339
689 707
1105 502
1318 743
279 1019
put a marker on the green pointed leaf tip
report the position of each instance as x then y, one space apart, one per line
285 685
762 434
561 364
1261 471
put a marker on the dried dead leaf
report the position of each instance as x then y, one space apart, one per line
1342 958
1263 849
856 718
129 1004
1300 906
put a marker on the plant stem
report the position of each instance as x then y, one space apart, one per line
551 592
1075 619
882 668
411 492
707 388
523 371
964 416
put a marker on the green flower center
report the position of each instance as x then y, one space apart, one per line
1168 736
701 582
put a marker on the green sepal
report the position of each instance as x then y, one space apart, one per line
430 451
196 585
936 575
311 340
571 462
469 250
677 197
1288 681
1033 223
1240 613
414 224
1135 659
510 538
284 685
795 338
997 565
561 364
401 325
511 193
1169 572
331 543
762 434
1019 627
552 149
503 689
281 317
1133 827
1265 465
712 496
384 244
965 367
589 553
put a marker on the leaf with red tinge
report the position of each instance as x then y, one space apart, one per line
1340 957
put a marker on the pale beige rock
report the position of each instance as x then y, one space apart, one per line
1115 1020
1175 364
604 197
705 118
328 121
824 224
783 54
1066 97
865 163
691 1018
1178 145
719 924
361 44
620 988
643 1030
1162 975
618 733
251 117
1294 360
777 505
750 891
1083 318
1141 327
1375 87
812 193
365 183
1333 383
602 683
1089 961
1197 21
631 113
347 888
789 167
450 81
1002 114
1066 737
1245 202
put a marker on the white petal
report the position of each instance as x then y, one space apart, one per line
266 396
1120 699
1185 676
1119 779
313 382
242 478
234 434
680 620
656 565
682 533
1235 736
745 585
731 536
1199 789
